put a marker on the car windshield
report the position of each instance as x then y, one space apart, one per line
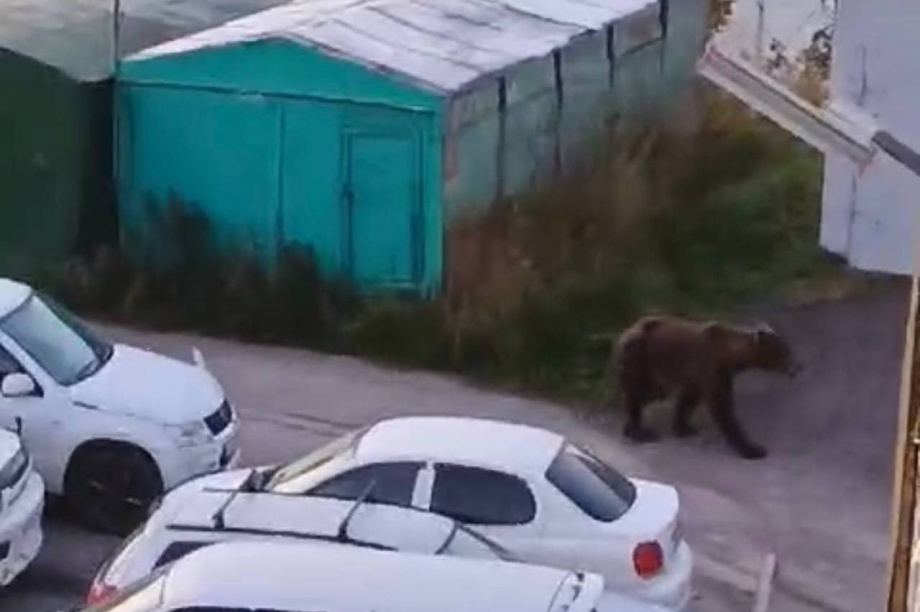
58 342
595 487
323 454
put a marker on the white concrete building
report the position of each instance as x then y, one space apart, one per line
870 199
870 215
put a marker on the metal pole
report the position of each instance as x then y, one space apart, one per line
758 53
905 490
116 131
116 33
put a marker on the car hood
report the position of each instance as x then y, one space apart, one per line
146 385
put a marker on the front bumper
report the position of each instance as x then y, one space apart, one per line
217 455
21 529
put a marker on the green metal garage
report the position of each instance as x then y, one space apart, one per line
362 128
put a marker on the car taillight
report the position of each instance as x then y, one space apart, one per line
98 593
648 559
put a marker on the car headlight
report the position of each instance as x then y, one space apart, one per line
191 434
12 472
14 469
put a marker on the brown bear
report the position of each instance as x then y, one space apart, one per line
663 356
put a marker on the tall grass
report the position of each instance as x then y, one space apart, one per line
694 222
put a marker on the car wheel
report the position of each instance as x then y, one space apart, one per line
109 487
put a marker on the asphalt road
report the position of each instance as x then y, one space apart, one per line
820 501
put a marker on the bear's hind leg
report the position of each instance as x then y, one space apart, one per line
636 399
683 412
723 413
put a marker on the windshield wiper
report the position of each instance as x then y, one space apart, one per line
86 371
247 486
495 547
342 534
268 476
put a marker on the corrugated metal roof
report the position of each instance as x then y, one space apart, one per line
440 44
76 35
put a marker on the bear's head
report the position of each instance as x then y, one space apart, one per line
774 353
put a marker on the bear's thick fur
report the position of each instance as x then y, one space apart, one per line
659 357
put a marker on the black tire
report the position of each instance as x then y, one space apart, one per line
110 486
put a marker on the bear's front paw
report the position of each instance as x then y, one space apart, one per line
640 434
753 451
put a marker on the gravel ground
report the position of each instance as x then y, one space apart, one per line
820 501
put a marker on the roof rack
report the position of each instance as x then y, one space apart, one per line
247 485
218 522
300 535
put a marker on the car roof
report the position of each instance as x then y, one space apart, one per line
12 295
264 573
521 449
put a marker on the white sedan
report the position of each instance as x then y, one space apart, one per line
298 577
107 425
541 497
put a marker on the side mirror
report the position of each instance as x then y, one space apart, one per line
17 385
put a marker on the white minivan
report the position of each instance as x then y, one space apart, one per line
109 426
283 576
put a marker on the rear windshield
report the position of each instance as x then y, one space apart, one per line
592 485
177 550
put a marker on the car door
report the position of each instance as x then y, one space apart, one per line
39 414
494 503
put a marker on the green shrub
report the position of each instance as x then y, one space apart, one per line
687 223
692 223
176 277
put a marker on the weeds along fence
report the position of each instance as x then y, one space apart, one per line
690 221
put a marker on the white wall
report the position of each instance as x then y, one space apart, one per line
870 217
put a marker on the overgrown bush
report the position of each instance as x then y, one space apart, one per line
690 223
177 277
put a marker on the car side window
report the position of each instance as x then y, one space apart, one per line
481 497
177 550
9 364
395 483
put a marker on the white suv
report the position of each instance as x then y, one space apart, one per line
299 577
22 497
109 426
